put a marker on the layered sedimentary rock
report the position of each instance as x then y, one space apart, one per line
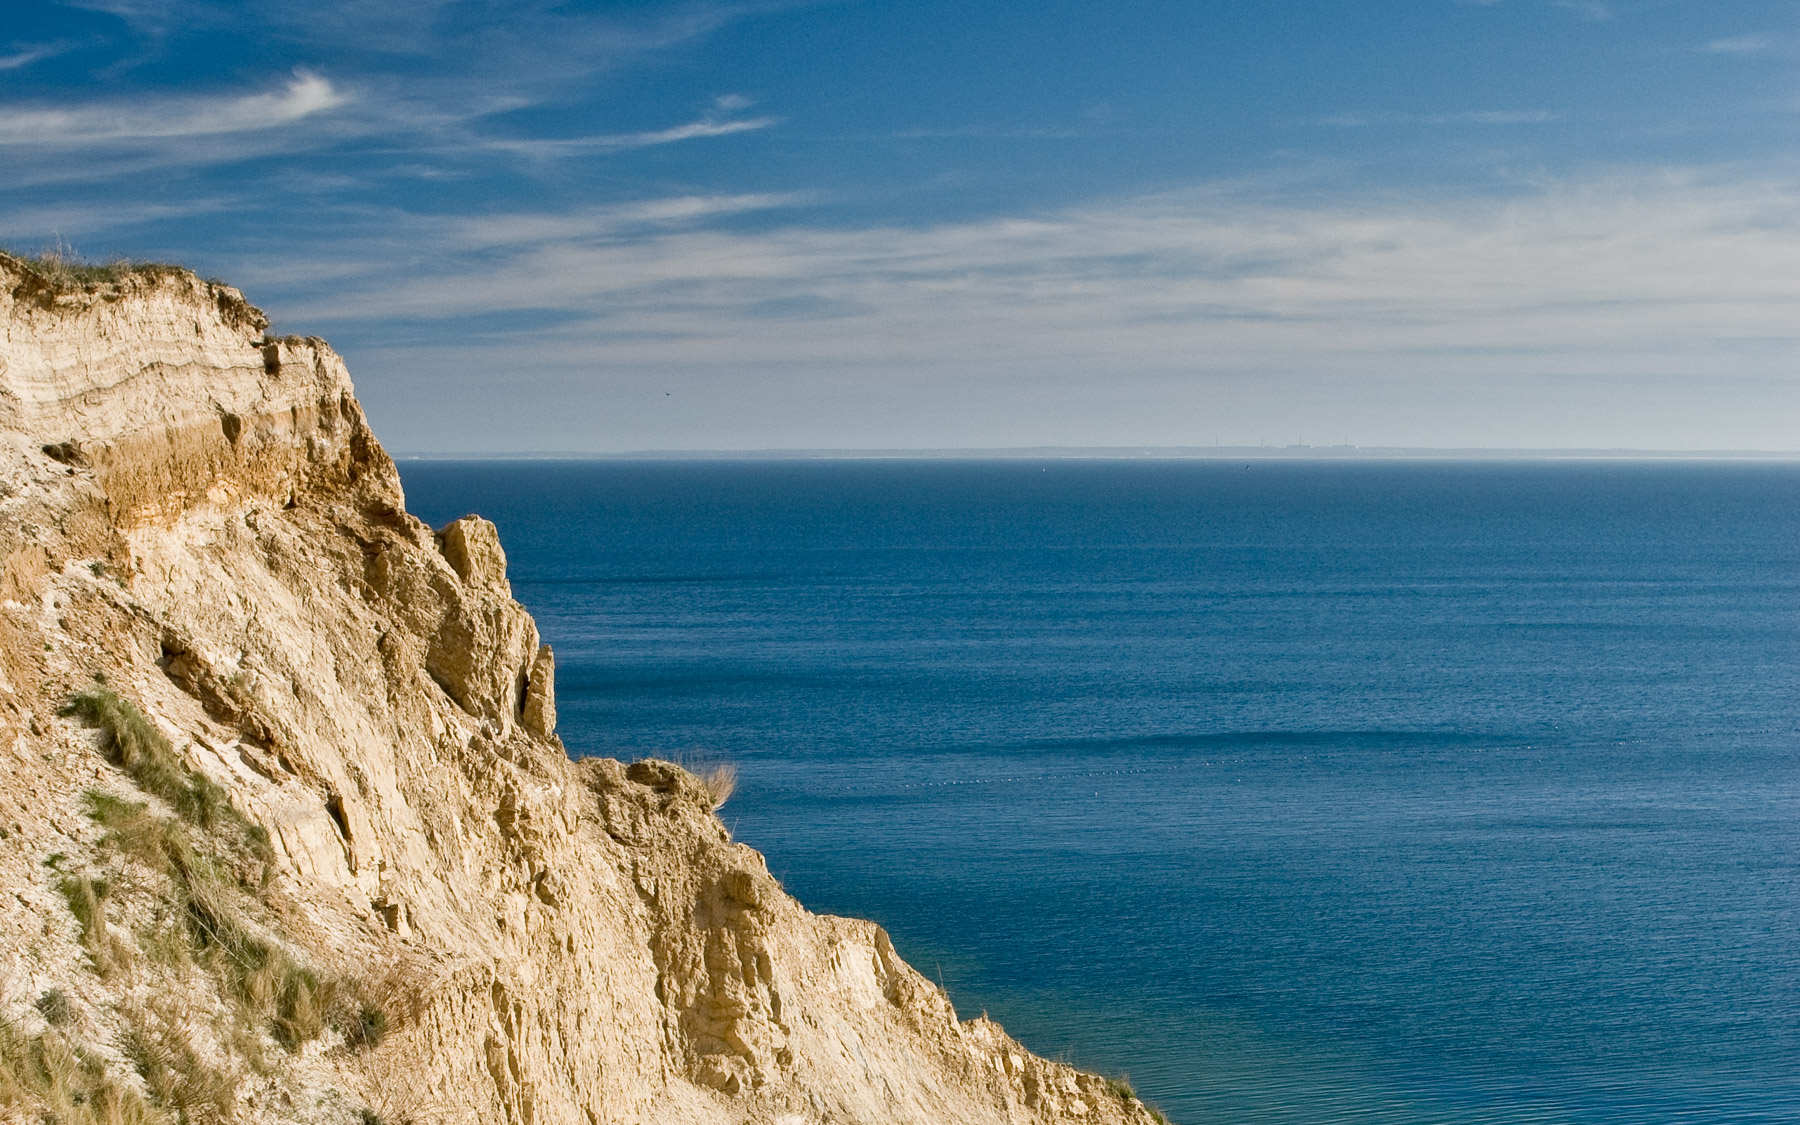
196 521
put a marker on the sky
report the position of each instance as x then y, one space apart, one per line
533 226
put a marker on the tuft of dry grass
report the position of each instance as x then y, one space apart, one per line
174 1071
55 1006
131 742
270 988
87 899
720 781
64 269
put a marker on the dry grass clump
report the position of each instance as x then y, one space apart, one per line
130 742
294 1002
273 989
207 911
1120 1087
174 1071
56 1008
64 269
44 1077
87 898
720 781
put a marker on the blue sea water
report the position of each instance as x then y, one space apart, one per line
1301 792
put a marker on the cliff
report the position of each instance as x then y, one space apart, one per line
288 833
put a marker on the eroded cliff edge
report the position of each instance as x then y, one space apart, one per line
307 846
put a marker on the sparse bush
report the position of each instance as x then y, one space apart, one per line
63 268
366 1027
1120 1087
297 1002
55 1007
54 273
293 1001
272 989
131 829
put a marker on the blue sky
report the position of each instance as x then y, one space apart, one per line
608 227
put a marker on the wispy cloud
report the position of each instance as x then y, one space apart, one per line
82 126
1740 45
24 55
1468 117
1620 275
988 132
613 142
1592 10
515 231
1112 321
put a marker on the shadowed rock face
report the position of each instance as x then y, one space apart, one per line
202 516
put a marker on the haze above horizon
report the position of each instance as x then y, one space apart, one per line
538 226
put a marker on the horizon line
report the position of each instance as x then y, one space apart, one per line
1119 453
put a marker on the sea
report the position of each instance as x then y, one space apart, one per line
1294 791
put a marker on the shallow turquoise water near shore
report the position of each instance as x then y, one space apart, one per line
1301 792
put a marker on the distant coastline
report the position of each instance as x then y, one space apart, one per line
1125 453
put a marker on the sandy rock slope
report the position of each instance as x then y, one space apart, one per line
438 915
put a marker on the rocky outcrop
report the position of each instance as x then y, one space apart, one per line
449 919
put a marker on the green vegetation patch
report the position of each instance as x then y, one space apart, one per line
215 862
68 273
130 741
42 1075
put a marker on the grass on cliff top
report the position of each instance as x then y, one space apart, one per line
66 272
60 272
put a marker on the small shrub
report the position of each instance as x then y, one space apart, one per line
366 1027
55 1007
262 849
296 1001
131 829
87 901
203 803
1120 1087
165 945
62 270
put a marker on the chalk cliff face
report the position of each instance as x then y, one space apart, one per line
201 517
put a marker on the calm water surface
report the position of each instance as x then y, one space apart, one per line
1385 792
